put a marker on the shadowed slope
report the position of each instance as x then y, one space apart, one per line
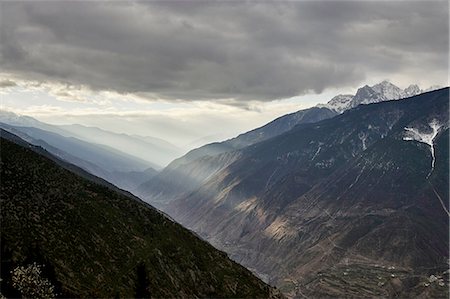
98 240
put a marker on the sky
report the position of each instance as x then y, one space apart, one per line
192 72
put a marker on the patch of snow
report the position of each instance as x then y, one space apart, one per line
413 134
363 137
317 152
357 177
325 163
440 200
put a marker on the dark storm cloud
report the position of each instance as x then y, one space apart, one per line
227 50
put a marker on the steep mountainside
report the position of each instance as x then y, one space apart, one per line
97 242
356 205
190 171
195 167
273 128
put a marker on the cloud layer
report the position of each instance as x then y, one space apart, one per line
237 51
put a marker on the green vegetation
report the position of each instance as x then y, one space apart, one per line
100 243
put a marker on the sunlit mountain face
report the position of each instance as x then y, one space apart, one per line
345 194
306 142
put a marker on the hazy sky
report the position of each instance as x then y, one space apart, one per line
182 70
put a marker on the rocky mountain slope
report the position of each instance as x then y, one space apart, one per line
355 205
188 172
97 241
273 128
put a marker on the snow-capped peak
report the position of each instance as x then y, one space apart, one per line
367 95
383 91
388 90
339 103
412 90
413 134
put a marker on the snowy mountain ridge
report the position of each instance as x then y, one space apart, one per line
383 91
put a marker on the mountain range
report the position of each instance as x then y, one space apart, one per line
108 163
345 199
350 205
383 91
189 174
152 151
124 160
